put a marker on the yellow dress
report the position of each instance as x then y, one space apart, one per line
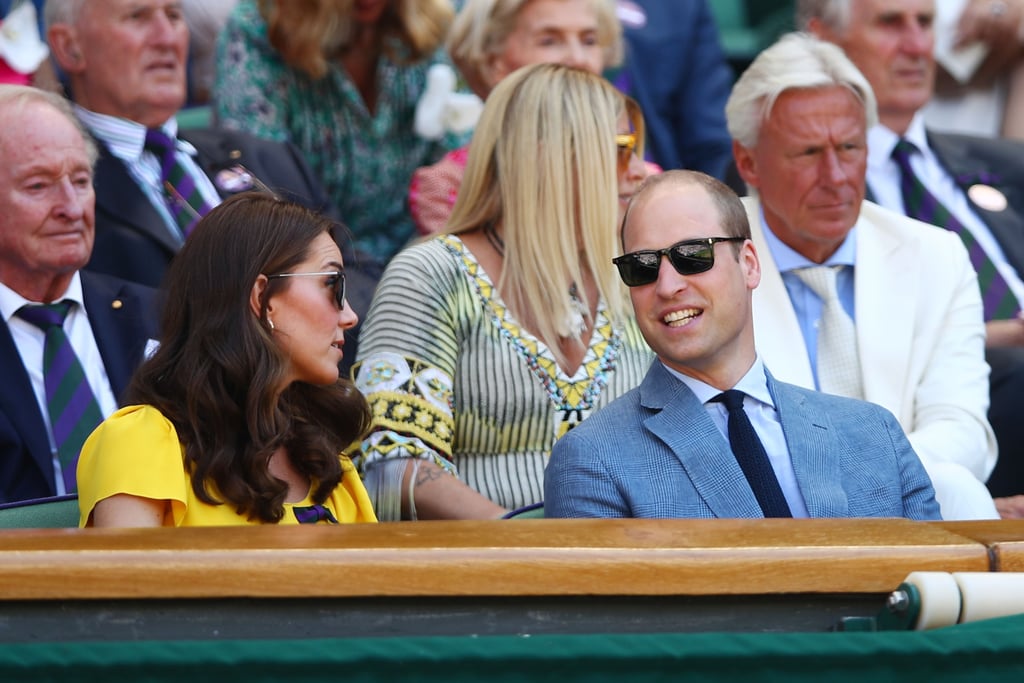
136 451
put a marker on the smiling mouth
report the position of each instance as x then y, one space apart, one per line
681 318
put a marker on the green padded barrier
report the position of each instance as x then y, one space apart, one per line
988 650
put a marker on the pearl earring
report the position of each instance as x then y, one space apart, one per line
270 323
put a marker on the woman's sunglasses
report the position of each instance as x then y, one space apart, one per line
626 143
688 257
335 279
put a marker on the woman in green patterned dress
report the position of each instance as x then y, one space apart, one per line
485 344
341 81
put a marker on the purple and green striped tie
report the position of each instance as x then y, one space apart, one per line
997 299
73 409
184 200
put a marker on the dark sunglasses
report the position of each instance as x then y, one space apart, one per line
688 257
335 279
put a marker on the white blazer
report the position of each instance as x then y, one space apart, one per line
920 335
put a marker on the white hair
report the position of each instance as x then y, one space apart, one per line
797 61
835 14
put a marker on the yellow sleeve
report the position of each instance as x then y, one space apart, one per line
134 451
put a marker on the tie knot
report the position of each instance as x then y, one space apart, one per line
159 142
903 150
45 316
821 280
733 399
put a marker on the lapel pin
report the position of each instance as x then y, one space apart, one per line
116 304
234 179
987 197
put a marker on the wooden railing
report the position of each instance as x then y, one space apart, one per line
513 576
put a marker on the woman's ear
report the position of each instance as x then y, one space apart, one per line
259 288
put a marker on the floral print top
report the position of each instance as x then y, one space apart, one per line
365 159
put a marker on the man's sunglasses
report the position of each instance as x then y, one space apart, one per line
335 280
688 257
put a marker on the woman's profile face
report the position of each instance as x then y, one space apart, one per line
307 323
551 31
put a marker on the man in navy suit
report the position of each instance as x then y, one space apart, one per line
126 63
980 181
46 237
663 449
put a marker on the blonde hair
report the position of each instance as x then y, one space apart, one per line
309 33
482 26
542 165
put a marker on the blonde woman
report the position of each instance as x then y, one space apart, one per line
490 39
485 344
340 79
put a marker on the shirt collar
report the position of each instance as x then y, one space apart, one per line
11 301
882 141
754 384
126 139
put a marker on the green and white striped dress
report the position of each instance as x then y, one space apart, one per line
451 376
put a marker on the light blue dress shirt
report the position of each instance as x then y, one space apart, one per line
806 303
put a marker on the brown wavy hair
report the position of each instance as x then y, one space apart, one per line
218 373
309 33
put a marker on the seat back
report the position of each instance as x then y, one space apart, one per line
41 513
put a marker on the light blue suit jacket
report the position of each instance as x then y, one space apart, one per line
655 452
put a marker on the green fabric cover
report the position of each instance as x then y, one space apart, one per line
989 650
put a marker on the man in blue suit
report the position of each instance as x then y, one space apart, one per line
663 449
46 237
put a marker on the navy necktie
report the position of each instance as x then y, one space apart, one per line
751 456
73 409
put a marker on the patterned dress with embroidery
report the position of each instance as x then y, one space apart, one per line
451 376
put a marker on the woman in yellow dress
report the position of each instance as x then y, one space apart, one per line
239 417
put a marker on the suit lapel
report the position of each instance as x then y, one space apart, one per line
810 439
886 271
681 422
119 196
116 326
957 155
18 402
225 164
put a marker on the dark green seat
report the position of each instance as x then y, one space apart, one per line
41 513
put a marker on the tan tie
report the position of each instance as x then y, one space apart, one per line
838 367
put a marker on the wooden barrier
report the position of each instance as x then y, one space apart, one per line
473 578
1004 540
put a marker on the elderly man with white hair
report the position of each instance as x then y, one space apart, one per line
854 299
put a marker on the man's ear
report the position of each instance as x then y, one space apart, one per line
746 165
65 49
818 29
